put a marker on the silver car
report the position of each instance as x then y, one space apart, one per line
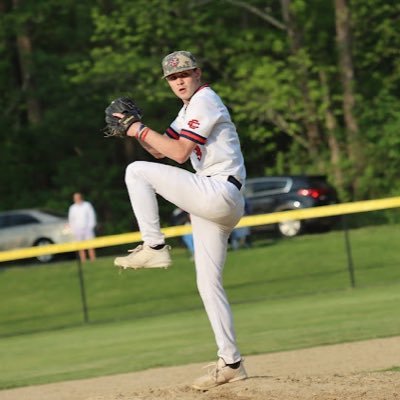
27 228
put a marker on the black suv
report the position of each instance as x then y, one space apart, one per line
281 193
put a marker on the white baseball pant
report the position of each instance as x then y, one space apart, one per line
216 206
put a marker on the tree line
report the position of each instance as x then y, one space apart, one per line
313 87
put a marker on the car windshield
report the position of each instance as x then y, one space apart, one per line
53 213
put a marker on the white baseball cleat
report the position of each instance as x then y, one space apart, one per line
218 374
144 256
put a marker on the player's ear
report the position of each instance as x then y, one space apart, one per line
197 73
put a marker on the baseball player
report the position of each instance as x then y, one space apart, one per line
202 131
82 220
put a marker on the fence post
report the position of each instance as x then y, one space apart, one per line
82 287
350 265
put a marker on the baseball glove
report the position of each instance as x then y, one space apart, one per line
115 126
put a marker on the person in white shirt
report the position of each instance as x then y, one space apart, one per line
82 220
204 132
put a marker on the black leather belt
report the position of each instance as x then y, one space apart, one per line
233 180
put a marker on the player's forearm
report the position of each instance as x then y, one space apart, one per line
177 150
171 148
152 151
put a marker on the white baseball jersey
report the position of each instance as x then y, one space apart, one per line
82 219
206 121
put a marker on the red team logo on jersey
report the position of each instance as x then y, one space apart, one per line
194 123
198 152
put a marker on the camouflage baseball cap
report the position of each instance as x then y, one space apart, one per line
178 61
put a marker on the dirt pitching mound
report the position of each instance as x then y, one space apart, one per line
351 371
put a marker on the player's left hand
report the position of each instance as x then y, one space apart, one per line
120 115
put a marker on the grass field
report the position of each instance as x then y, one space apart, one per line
285 294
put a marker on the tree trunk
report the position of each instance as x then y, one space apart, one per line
331 126
310 119
24 48
343 40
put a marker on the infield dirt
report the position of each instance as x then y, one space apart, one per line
350 371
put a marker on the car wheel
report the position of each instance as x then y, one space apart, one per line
44 258
290 228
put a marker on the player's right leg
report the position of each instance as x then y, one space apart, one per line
211 241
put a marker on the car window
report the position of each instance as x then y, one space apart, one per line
271 185
54 213
21 219
3 221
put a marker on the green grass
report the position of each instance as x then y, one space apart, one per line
285 294
264 326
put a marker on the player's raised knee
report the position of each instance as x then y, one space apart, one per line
134 169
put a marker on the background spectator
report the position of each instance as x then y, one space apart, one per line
82 219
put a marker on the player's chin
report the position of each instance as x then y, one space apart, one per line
184 96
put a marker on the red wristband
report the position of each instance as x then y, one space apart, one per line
144 134
140 131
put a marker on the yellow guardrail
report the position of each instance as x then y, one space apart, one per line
251 220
